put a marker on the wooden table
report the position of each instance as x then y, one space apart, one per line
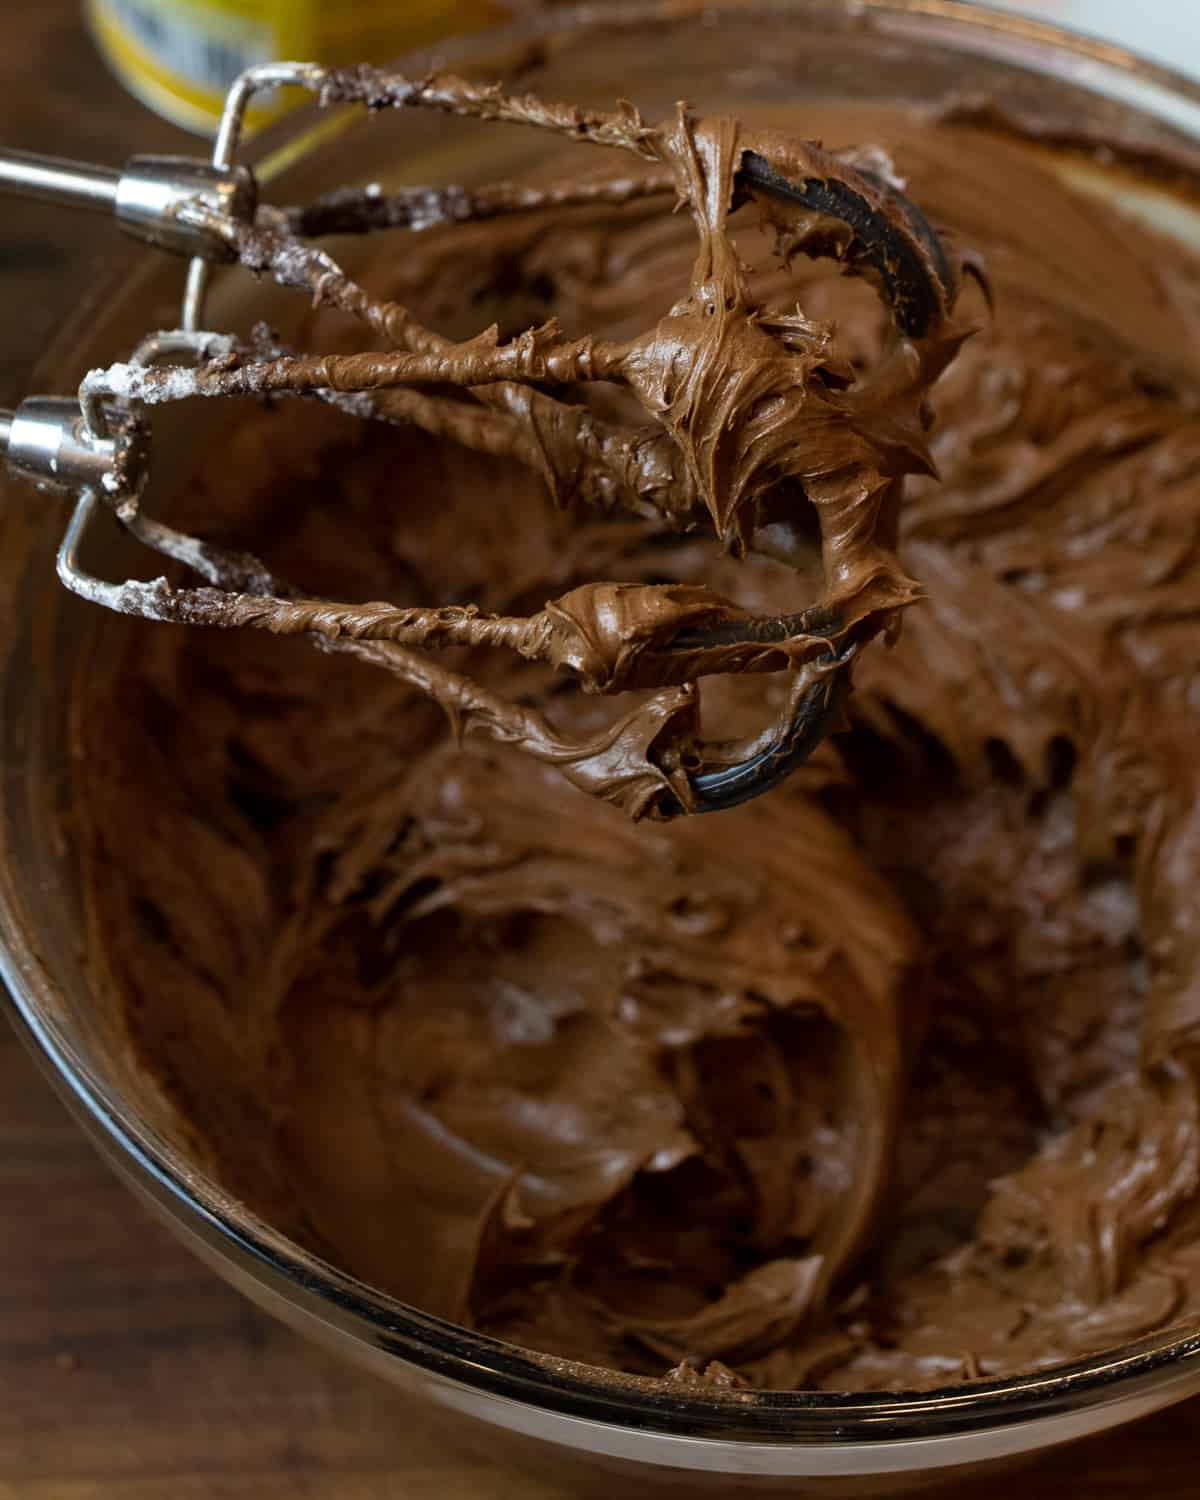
127 1370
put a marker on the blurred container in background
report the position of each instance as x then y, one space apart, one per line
179 56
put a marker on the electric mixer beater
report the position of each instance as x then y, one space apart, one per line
750 421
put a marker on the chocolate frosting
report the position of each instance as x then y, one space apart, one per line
886 1080
757 426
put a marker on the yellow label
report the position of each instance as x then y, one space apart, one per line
180 56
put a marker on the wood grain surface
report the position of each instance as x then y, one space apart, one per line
128 1371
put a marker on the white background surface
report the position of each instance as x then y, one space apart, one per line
1166 30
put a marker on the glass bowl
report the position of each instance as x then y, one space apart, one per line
582 1425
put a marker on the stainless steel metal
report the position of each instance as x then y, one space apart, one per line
195 291
253 81
153 190
72 184
177 203
50 443
92 446
67 557
128 444
149 196
229 135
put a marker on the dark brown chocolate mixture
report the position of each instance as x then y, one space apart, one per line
885 1080
741 418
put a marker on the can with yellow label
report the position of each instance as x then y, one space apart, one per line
180 56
